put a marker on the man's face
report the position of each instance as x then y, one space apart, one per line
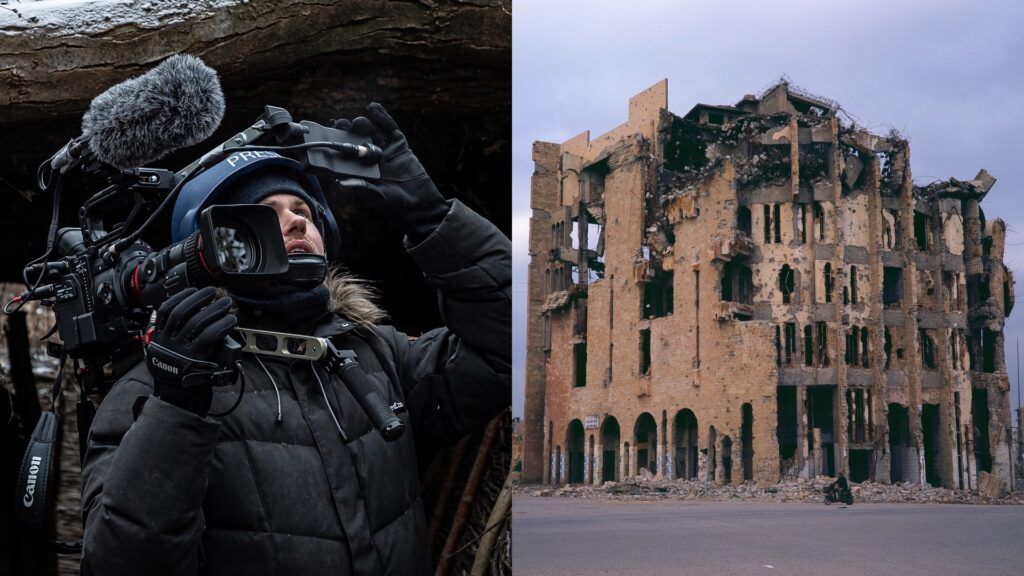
297 227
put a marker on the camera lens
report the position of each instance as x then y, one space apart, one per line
235 250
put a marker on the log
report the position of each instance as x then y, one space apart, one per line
55 59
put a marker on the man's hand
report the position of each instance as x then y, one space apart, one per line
189 329
409 195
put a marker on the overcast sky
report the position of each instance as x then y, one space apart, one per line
948 75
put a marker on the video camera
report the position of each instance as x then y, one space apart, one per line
103 285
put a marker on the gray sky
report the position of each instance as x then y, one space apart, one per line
947 74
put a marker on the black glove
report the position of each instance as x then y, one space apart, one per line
190 327
409 195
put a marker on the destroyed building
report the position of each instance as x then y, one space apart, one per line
759 291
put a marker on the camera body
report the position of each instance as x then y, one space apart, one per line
103 299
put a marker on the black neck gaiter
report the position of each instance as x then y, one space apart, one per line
290 310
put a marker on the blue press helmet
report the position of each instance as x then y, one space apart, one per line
203 191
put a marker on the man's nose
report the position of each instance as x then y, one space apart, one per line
291 222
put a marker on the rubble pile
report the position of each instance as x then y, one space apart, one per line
646 488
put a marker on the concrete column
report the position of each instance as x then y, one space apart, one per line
670 450
587 456
632 460
623 460
659 457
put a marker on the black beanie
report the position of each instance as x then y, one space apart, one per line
259 184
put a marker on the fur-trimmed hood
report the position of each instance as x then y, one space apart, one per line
353 298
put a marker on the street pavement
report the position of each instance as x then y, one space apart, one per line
570 536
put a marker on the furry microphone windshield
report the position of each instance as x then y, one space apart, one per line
177 104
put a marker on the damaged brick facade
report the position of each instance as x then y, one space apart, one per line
758 291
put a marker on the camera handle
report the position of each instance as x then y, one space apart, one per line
339 362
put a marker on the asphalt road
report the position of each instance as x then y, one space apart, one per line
568 536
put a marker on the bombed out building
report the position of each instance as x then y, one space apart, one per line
759 291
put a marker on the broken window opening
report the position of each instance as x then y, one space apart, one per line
803 223
865 357
580 320
927 349
595 269
790 342
930 431
814 161
979 413
819 409
902 460
808 345
747 438
852 346
778 346
859 406
658 295
786 430
579 354
767 224
743 221
853 284
574 274
645 351
822 329
684 147
594 232
923 232
892 286
988 350
951 283
574 234
787 283
737 283
828 282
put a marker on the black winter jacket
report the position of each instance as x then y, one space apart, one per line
169 492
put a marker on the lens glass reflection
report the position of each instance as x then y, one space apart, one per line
233 249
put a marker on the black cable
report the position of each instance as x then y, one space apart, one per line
241 392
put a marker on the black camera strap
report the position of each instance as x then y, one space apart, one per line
35 490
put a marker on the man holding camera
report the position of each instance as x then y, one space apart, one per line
296 479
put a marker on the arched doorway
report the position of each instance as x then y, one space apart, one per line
685 449
610 450
646 437
574 452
